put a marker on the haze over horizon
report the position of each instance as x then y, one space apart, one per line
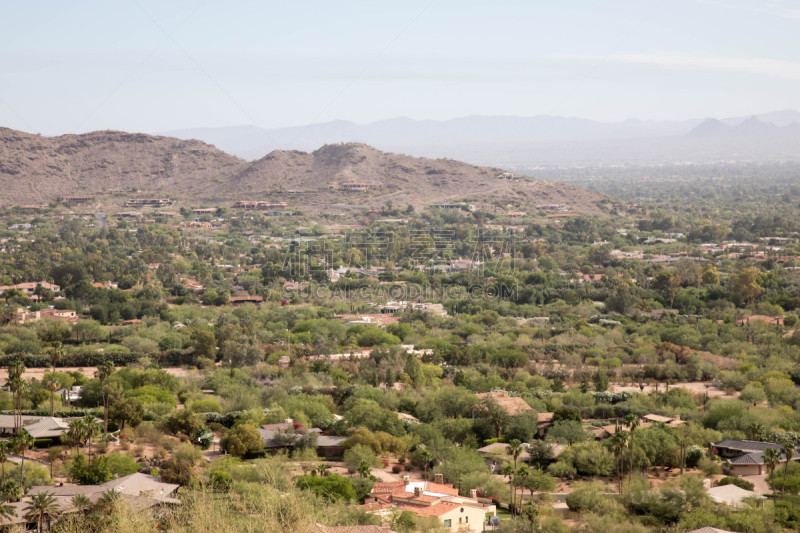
148 66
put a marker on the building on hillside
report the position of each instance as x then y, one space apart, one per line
731 495
74 200
423 498
512 405
73 394
29 288
40 427
496 455
23 316
709 529
246 299
285 435
263 206
746 457
141 490
671 421
148 202
384 528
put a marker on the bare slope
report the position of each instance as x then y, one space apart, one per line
35 170
321 175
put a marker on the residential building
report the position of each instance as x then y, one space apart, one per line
40 427
731 495
423 498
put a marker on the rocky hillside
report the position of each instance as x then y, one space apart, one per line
35 170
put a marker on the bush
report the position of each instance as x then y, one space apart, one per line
356 455
122 465
709 467
693 455
96 473
739 482
242 439
562 469
586 496
333 487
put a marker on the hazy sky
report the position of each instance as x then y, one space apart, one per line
154 65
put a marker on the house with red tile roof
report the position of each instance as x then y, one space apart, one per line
425 498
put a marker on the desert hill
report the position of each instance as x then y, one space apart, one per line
36 169
108 164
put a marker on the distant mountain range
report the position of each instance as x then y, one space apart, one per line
530 141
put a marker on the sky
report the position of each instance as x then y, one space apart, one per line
155 65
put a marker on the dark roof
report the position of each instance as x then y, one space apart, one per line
746 446
755 458
325 441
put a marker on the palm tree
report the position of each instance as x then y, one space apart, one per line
788 452
3 460
514 450
7 512
22 443
56 353
91 429
104 372
618 443
772 456
17 386
42 508
755 430
106 503
52 385
80 502
76 432
632 421
508 471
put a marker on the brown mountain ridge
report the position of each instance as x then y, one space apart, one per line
36 170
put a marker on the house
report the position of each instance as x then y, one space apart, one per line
496 454
72 394
709 529
512 405
22 316
731 495
141 489
30 287
384 528
671 421
286 435
246 299
423 498
40 427
746 457
734 448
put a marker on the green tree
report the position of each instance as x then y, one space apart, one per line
53 454
333 487
568 432
242 439
743 285
126 411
